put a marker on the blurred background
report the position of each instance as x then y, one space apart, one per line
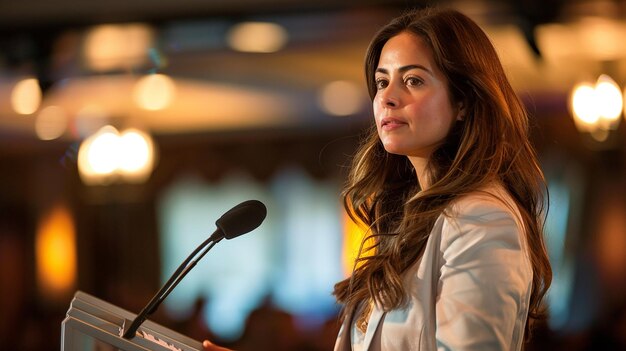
128 127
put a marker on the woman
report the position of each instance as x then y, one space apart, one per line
450 190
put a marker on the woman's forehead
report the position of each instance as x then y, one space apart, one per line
406 49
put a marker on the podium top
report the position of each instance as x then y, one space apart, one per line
92 323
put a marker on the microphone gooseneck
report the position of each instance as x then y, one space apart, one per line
237 221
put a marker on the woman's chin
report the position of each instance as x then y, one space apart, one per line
395 149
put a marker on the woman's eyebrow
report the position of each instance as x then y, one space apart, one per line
405 68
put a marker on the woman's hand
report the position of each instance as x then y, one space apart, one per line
209 346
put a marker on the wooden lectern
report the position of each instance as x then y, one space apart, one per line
93 324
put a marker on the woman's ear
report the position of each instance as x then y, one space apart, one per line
460 116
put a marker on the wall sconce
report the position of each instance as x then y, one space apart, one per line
596 108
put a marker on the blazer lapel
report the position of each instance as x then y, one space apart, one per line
343 337
372 325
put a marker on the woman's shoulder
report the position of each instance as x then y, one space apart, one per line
489 208
488 215
489 199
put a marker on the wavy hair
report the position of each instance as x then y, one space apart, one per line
490 144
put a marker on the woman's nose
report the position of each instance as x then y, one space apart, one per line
390 102
389 99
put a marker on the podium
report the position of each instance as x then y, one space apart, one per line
93 324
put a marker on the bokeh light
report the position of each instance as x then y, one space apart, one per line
109 47
137 155
51 123
341 98
609 98
583 105
109 155
260 37
26 96
56 253
154 92
596 108
103 152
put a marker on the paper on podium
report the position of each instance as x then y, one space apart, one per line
93 324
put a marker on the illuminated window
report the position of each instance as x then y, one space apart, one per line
311 240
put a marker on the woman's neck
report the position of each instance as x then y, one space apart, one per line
419 164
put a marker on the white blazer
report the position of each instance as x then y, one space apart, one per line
469 291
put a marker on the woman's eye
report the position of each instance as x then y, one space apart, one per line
412 81
381 84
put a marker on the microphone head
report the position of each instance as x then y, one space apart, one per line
242 218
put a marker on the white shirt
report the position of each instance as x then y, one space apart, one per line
470 290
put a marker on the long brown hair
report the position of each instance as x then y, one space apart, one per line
490 144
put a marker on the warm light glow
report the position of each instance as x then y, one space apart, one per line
584 106
136 156
96 161
259 37
109 47
56 253
601 36
341 98
596 108
594 39
154 92
85 169
109 155
609 97
51 123
26 96
104 150
353 235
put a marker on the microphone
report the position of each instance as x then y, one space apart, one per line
237 221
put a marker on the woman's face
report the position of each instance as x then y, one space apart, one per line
412 106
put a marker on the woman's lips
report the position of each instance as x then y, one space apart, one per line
391 123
